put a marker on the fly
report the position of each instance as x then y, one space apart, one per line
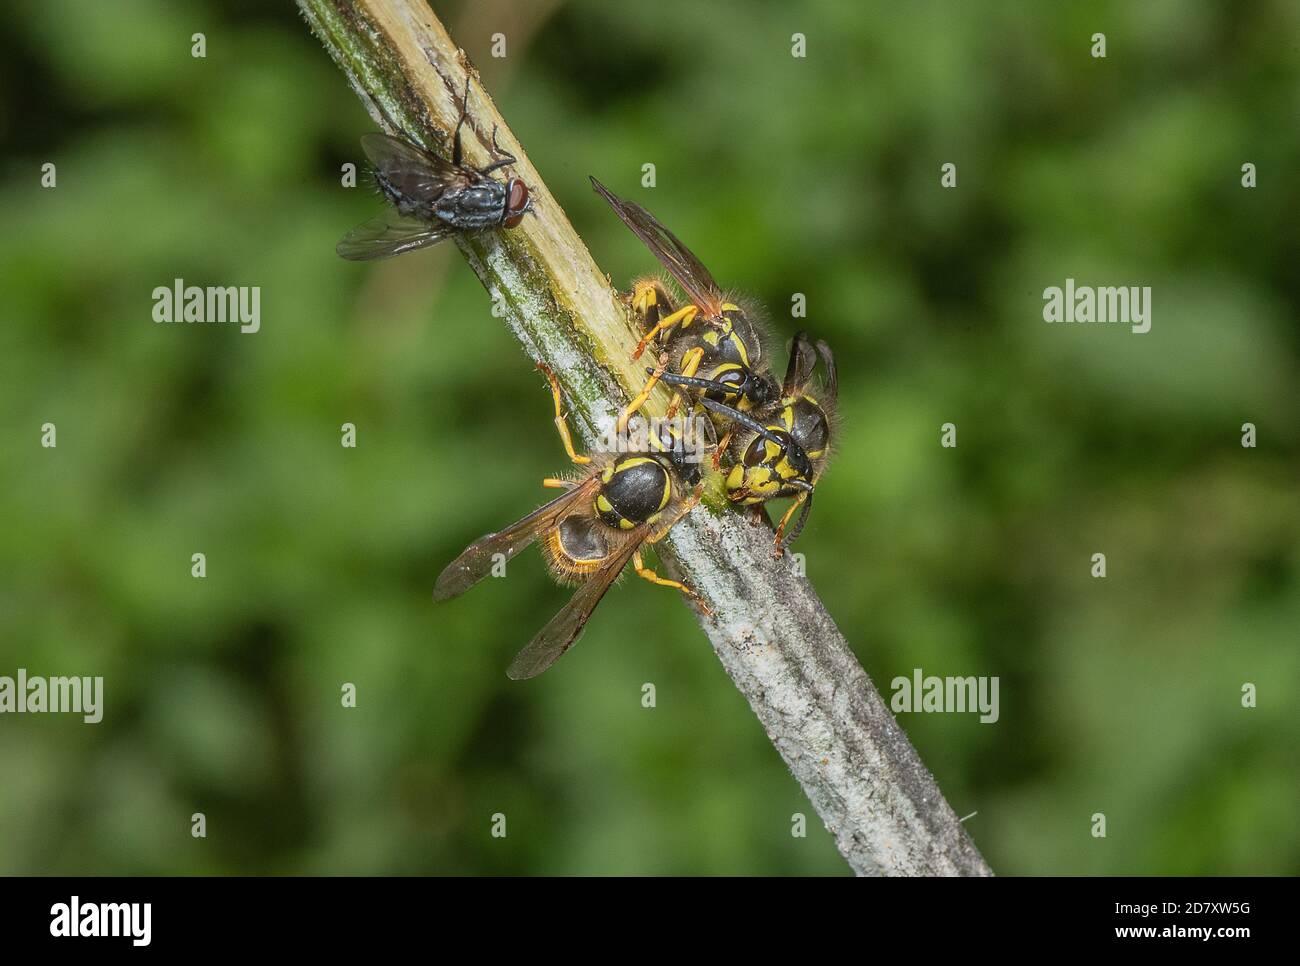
433 198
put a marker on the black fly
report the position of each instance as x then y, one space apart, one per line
432 198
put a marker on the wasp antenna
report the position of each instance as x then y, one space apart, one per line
797 529
735 415
695 382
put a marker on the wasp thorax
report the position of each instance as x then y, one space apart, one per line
633 490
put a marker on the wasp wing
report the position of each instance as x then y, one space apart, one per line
680 261
803 360
476 560
830 379
413 171
390 234
565 628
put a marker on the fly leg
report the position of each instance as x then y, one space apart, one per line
502 158
464 113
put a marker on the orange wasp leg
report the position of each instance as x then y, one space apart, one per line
561 426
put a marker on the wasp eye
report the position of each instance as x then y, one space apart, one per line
516 203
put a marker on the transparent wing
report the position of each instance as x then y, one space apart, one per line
566 627
831 379
476 560
389 234
680 261
803 359
413 171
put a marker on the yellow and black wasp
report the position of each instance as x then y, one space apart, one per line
432 198
710 343
781 449
589 533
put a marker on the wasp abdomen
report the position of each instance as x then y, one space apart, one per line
634 490
810 427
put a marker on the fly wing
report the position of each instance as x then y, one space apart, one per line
566 627
680 261
476 561
413 171
390 234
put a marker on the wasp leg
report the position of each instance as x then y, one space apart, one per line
649 300
648 573
555 483
630 409
720 449
561 426
690 366
804 500
683 316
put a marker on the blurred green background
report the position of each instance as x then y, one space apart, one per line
817 175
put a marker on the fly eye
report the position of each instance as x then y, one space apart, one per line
516 203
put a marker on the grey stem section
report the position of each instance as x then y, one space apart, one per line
769 629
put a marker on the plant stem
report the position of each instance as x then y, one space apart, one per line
769 629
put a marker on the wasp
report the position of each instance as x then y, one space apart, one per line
433 198
589 533
781 449
710 344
